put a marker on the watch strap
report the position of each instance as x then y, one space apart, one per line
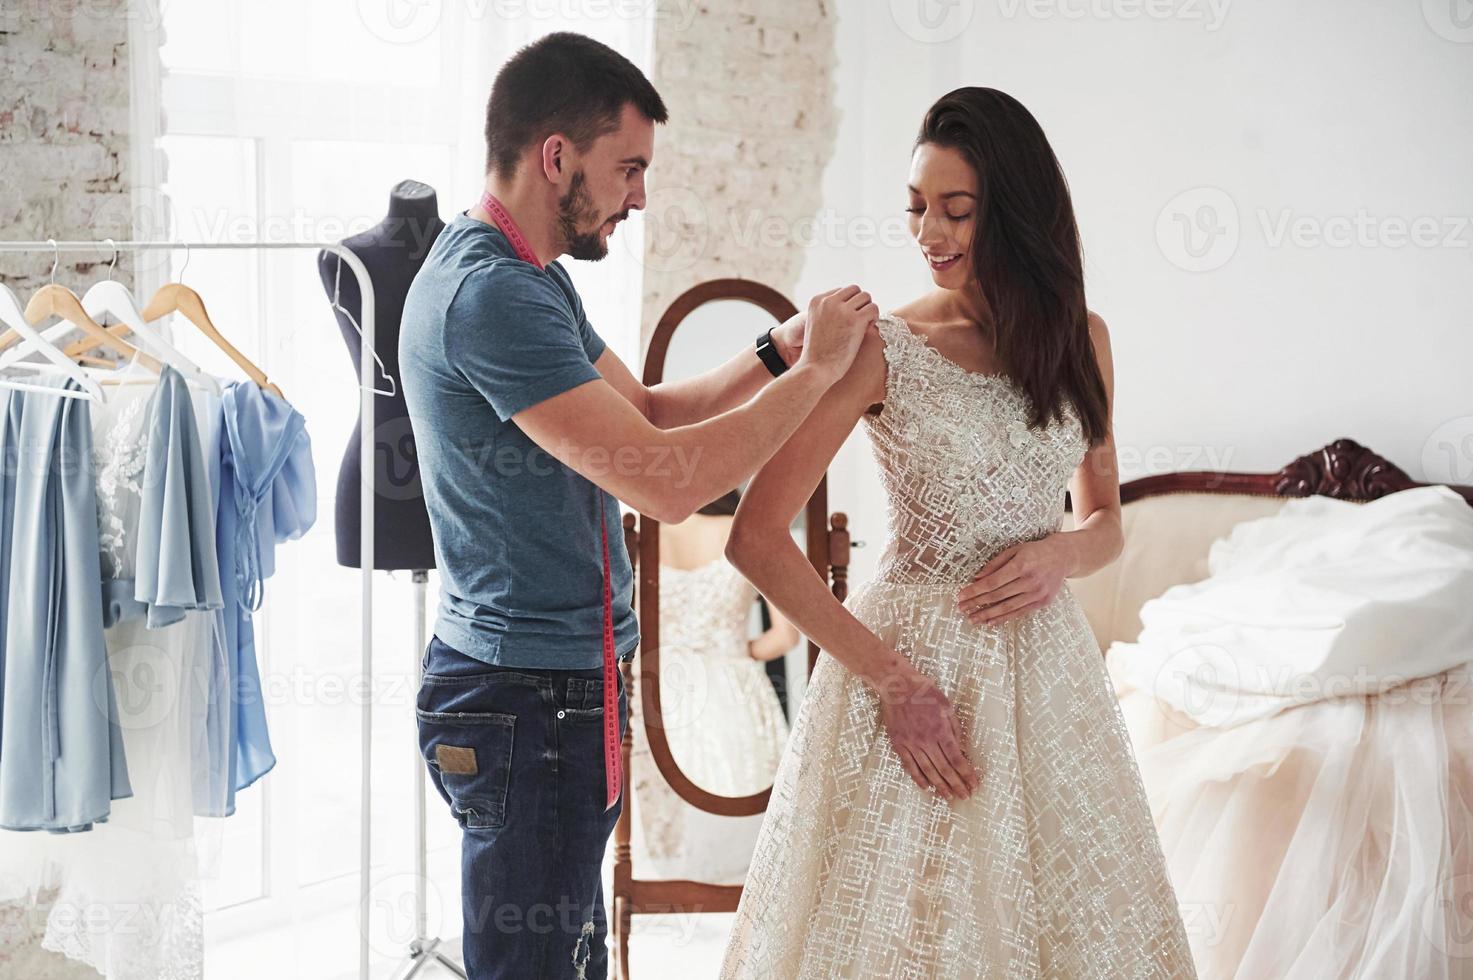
767 351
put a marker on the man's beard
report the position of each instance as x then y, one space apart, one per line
574 211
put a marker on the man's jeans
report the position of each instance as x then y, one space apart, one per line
518 755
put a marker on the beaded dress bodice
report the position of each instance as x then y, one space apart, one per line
965 475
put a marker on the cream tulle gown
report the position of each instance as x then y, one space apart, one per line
1053 868
1330 841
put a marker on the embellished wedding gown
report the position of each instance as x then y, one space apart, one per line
1053 867
723 721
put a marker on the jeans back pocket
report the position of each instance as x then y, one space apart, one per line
470 756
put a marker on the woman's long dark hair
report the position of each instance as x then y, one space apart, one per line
1026 253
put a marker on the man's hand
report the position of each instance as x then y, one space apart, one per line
837 321
923 728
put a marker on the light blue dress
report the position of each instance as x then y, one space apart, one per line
266 493
61 750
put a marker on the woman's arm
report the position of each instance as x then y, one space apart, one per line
920 719
1094 491
776 640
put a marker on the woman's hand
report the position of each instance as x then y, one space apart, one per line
789 336
1018 579
777 640
924 731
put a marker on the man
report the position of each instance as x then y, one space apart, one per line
528 428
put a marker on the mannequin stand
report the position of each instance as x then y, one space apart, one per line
423 949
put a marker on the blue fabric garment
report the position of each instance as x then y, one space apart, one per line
177 567
172 544
266 493
176 570
484 336
61 750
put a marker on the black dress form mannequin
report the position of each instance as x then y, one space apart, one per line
393 250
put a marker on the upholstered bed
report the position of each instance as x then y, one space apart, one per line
1331 833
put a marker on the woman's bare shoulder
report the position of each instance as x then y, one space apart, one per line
917 312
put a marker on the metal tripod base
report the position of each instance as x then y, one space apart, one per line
424 952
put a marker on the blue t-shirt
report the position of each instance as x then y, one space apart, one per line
485 335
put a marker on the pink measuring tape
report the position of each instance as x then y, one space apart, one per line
612 742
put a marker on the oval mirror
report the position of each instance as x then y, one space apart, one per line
713 661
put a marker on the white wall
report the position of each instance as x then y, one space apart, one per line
1314 112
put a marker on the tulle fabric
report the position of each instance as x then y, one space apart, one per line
1330 841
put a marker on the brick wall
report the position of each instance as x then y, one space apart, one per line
737 169
63 135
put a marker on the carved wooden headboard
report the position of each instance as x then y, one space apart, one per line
1343 469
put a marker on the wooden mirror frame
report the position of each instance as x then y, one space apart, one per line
816 529
827 547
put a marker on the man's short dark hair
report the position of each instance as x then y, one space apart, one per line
562 83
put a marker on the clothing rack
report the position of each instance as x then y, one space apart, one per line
366 383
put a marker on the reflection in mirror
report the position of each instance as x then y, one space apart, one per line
723 662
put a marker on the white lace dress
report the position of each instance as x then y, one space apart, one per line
724 723
1053 867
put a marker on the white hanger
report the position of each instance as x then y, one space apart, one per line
50 335
14 318
340 308
111 297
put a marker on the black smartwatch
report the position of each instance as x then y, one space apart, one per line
767 351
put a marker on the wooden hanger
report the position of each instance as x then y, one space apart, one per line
111 298
12 315
53 300
175 297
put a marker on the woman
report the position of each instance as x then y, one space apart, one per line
884 852
723 720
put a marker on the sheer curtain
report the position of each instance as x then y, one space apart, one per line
279 120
